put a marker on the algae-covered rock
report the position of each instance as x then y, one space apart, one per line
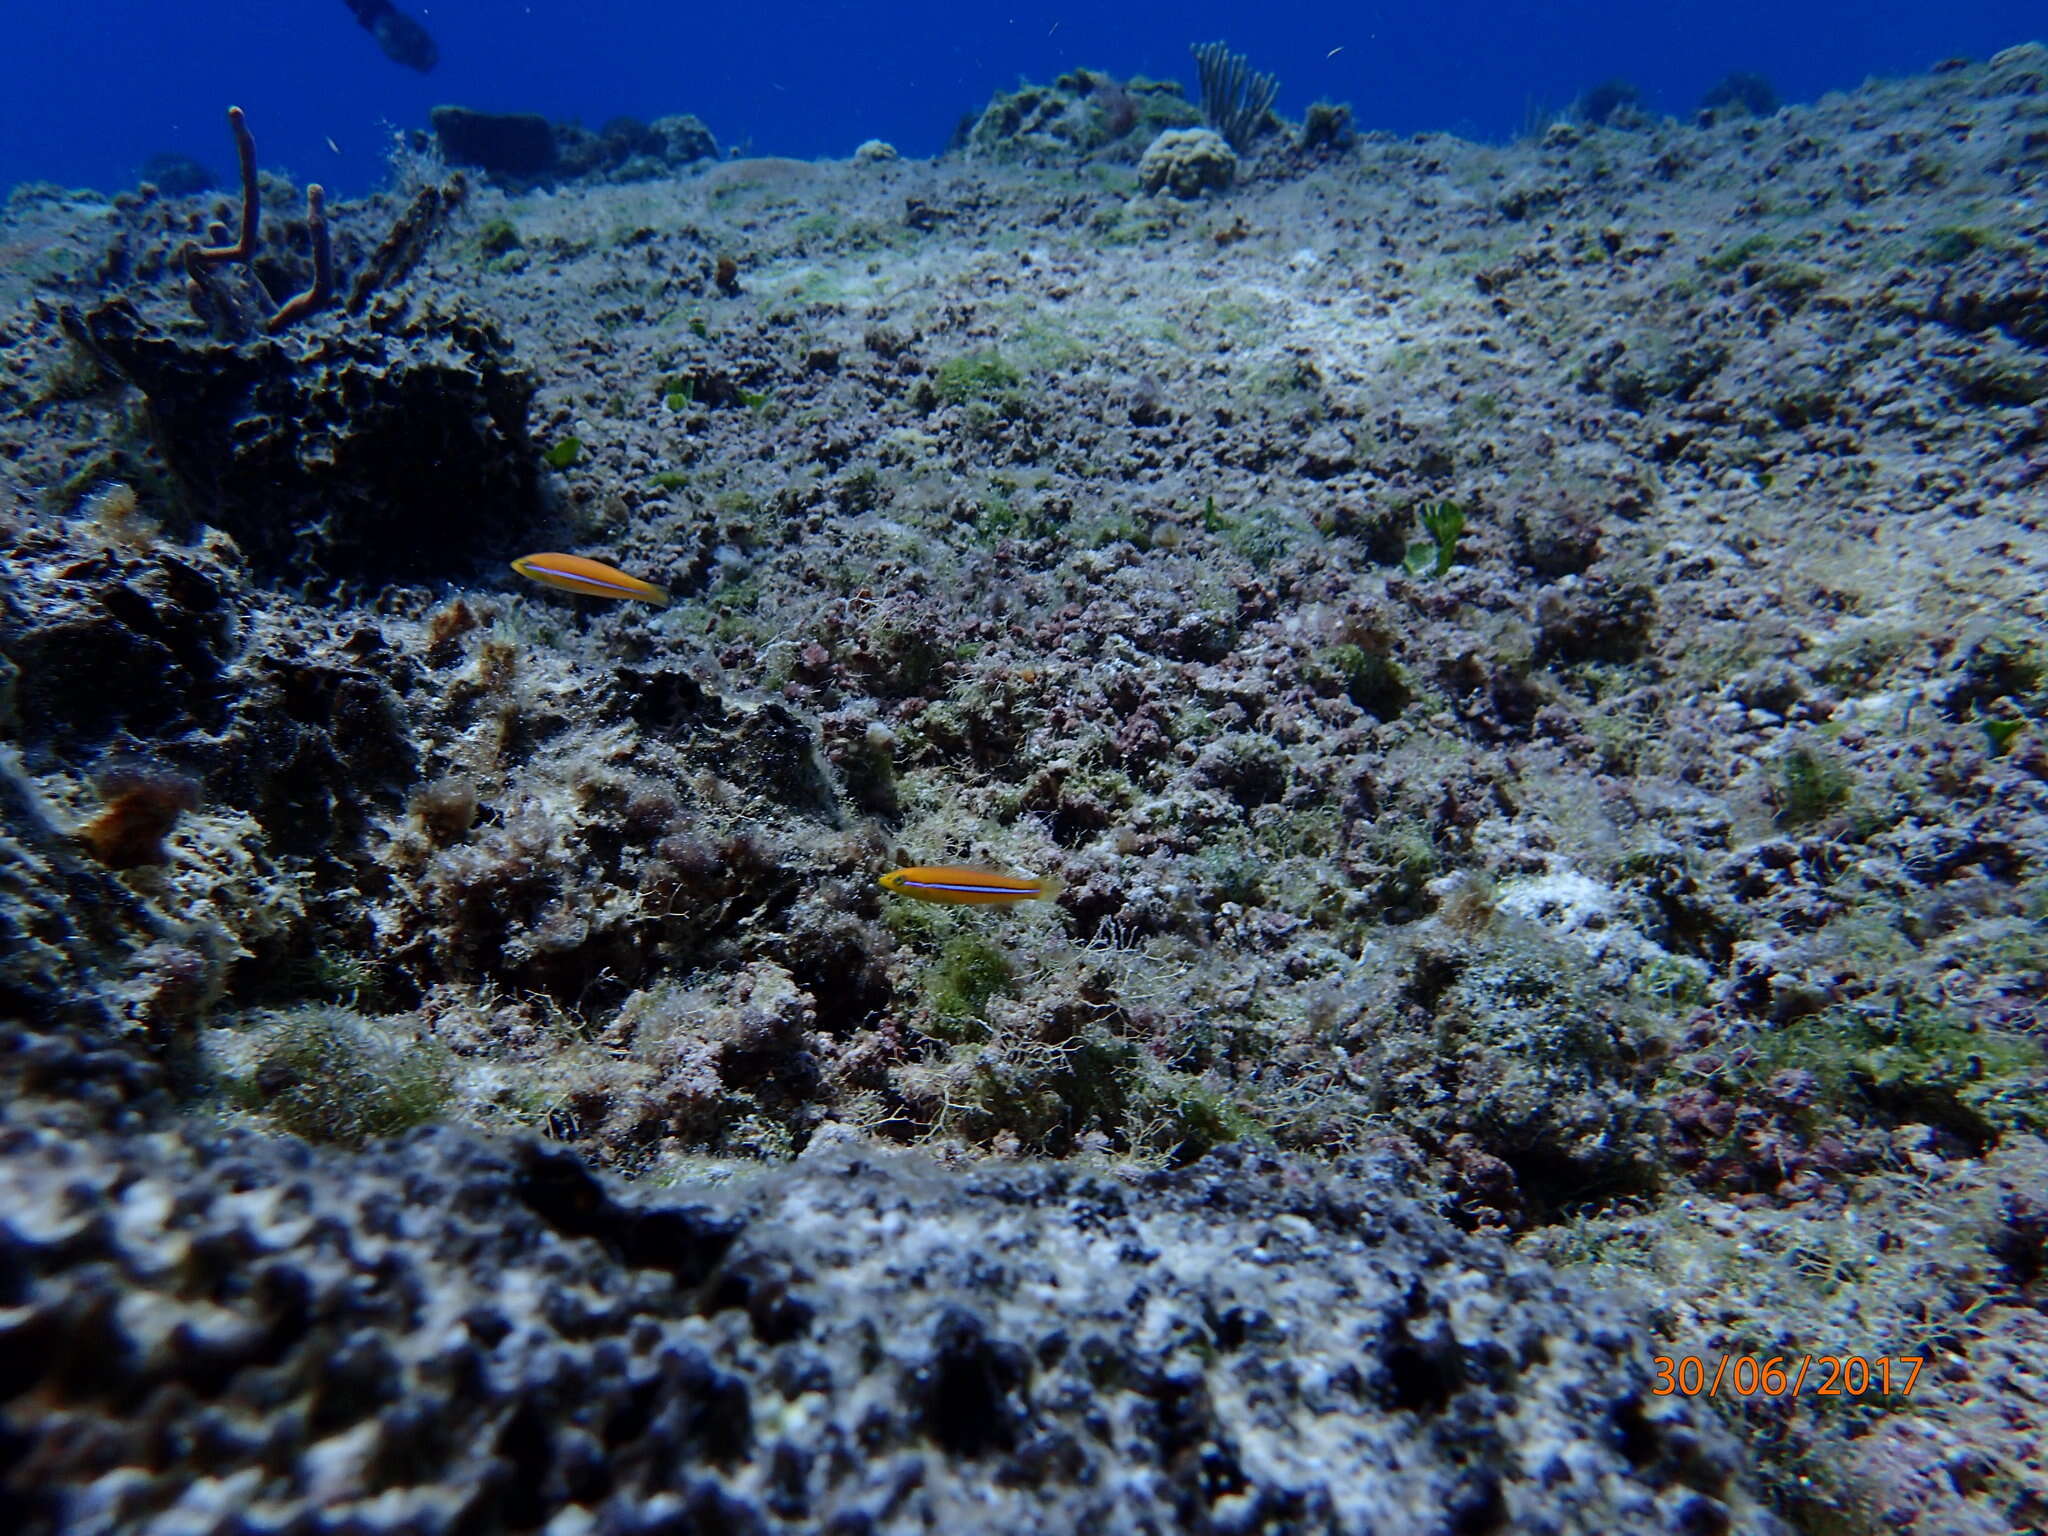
364 453
453 1332
1085 112
683 138
520 149
515 144
1187 162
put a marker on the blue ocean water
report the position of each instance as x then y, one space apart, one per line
97 86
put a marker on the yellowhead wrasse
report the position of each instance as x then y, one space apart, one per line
593 578
968 887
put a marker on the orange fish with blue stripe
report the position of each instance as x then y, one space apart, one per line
593 578
963 886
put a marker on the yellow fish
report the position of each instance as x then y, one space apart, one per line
593 578
968 887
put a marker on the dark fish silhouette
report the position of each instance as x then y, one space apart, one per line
403 40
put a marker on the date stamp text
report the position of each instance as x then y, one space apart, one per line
1785 1375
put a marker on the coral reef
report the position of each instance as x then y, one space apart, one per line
1528 661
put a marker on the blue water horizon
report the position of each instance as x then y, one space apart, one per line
106 84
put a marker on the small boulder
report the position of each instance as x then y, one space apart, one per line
1187 162
516 144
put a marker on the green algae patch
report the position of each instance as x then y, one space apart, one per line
1054 1097
968 972
975 376
328 1074
1372 680
1913 1059
1808 785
